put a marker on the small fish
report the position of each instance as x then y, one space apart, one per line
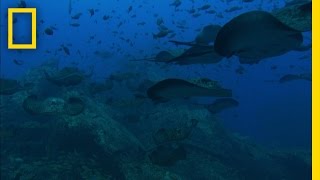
91 11
191 11
105 17
70 6
176 3
18 62
129 9
66 50
49 31
196 15
75 24
235 8
160 21
205 7
77 16
160 34
211 12
22 4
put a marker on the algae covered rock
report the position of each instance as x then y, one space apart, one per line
68 76
53 106
110 135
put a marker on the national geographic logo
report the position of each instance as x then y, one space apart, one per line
33 12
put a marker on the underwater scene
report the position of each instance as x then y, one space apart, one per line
156 90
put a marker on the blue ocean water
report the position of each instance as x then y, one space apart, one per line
107 36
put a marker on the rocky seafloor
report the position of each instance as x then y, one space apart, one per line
114 138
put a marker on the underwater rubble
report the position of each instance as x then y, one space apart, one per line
126 138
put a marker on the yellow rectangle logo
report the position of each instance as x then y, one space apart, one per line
33 44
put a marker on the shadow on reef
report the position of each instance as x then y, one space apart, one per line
126 138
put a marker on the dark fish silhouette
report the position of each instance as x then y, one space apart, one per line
161 34
65 49
75 24
48 31
177 88
211 11
197 55
196 15
70 6
200 52
105 17
204 38
232 9
293 77
22 4
208 34
77 16
256 35
91 12
18 62
204 7
176 3
129 9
